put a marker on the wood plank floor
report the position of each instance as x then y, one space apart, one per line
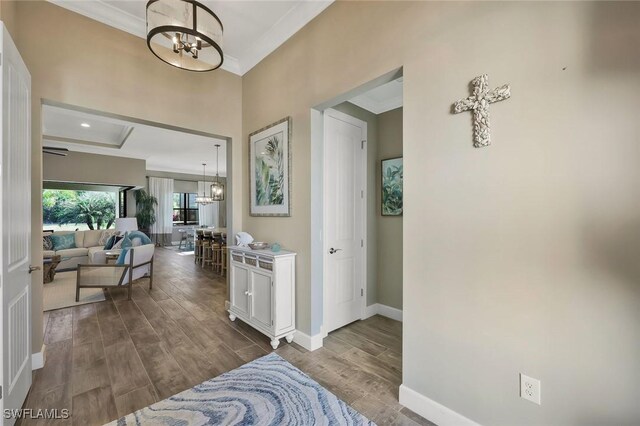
108 359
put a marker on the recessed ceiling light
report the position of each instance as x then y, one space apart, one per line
85 125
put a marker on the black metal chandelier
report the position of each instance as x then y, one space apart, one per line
185 34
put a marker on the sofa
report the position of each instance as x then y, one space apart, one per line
89 248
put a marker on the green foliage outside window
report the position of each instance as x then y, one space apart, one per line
96 210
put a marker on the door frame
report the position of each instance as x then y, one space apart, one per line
330 112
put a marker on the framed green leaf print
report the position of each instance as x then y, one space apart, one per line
270 170
392 172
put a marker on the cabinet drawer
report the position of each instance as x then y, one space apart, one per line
237 256
266 264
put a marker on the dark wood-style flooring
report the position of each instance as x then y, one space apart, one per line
108 359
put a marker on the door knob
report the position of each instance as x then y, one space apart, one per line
332 250
33 268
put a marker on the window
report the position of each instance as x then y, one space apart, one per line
68 210
185 209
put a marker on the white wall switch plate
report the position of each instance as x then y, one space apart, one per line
530 388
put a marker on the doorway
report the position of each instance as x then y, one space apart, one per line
377 275
345 218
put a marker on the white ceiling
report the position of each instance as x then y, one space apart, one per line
252 29
163 149
381 99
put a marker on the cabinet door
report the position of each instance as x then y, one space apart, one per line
239 289
261 298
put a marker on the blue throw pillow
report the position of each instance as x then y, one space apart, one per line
143 237
123 255
126 241
109 243
64 241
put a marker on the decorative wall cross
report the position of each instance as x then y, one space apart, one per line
479 102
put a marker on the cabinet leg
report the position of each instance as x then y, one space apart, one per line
275 343
232 317
289 338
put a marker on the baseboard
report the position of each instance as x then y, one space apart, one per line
384 310
37 359
370 311
431 410
310 343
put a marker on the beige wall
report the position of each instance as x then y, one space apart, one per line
8 16
389 228
105 69
519 257
92 168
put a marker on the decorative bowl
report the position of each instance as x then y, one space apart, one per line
258 245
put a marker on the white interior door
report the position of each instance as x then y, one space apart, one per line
15 246
344 218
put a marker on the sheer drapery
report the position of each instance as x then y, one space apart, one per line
208 213
162 230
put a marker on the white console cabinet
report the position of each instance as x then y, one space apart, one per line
262 291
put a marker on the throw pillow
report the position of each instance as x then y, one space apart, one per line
64 241
117 242
121 258
106 234
144 239
109 244
47 244
126 242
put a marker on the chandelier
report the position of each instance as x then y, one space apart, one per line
185 34
203 199
217 188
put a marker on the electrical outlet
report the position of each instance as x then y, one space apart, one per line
530 388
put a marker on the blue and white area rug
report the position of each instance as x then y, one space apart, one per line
267 391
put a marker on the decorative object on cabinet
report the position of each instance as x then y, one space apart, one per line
275 247
243 239
479 102
392 173
270 170
258 245
262 291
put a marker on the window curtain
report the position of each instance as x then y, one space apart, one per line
207 214
161 231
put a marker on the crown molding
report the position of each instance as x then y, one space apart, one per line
123 21
280 32
377 107
107 14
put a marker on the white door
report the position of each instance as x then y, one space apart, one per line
344 218
15 246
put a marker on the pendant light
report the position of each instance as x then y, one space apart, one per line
185 34
203 199
217 188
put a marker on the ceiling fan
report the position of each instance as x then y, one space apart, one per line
62 152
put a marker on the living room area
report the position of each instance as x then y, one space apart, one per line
114 190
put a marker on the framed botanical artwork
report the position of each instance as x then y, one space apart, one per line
392 187
270 170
